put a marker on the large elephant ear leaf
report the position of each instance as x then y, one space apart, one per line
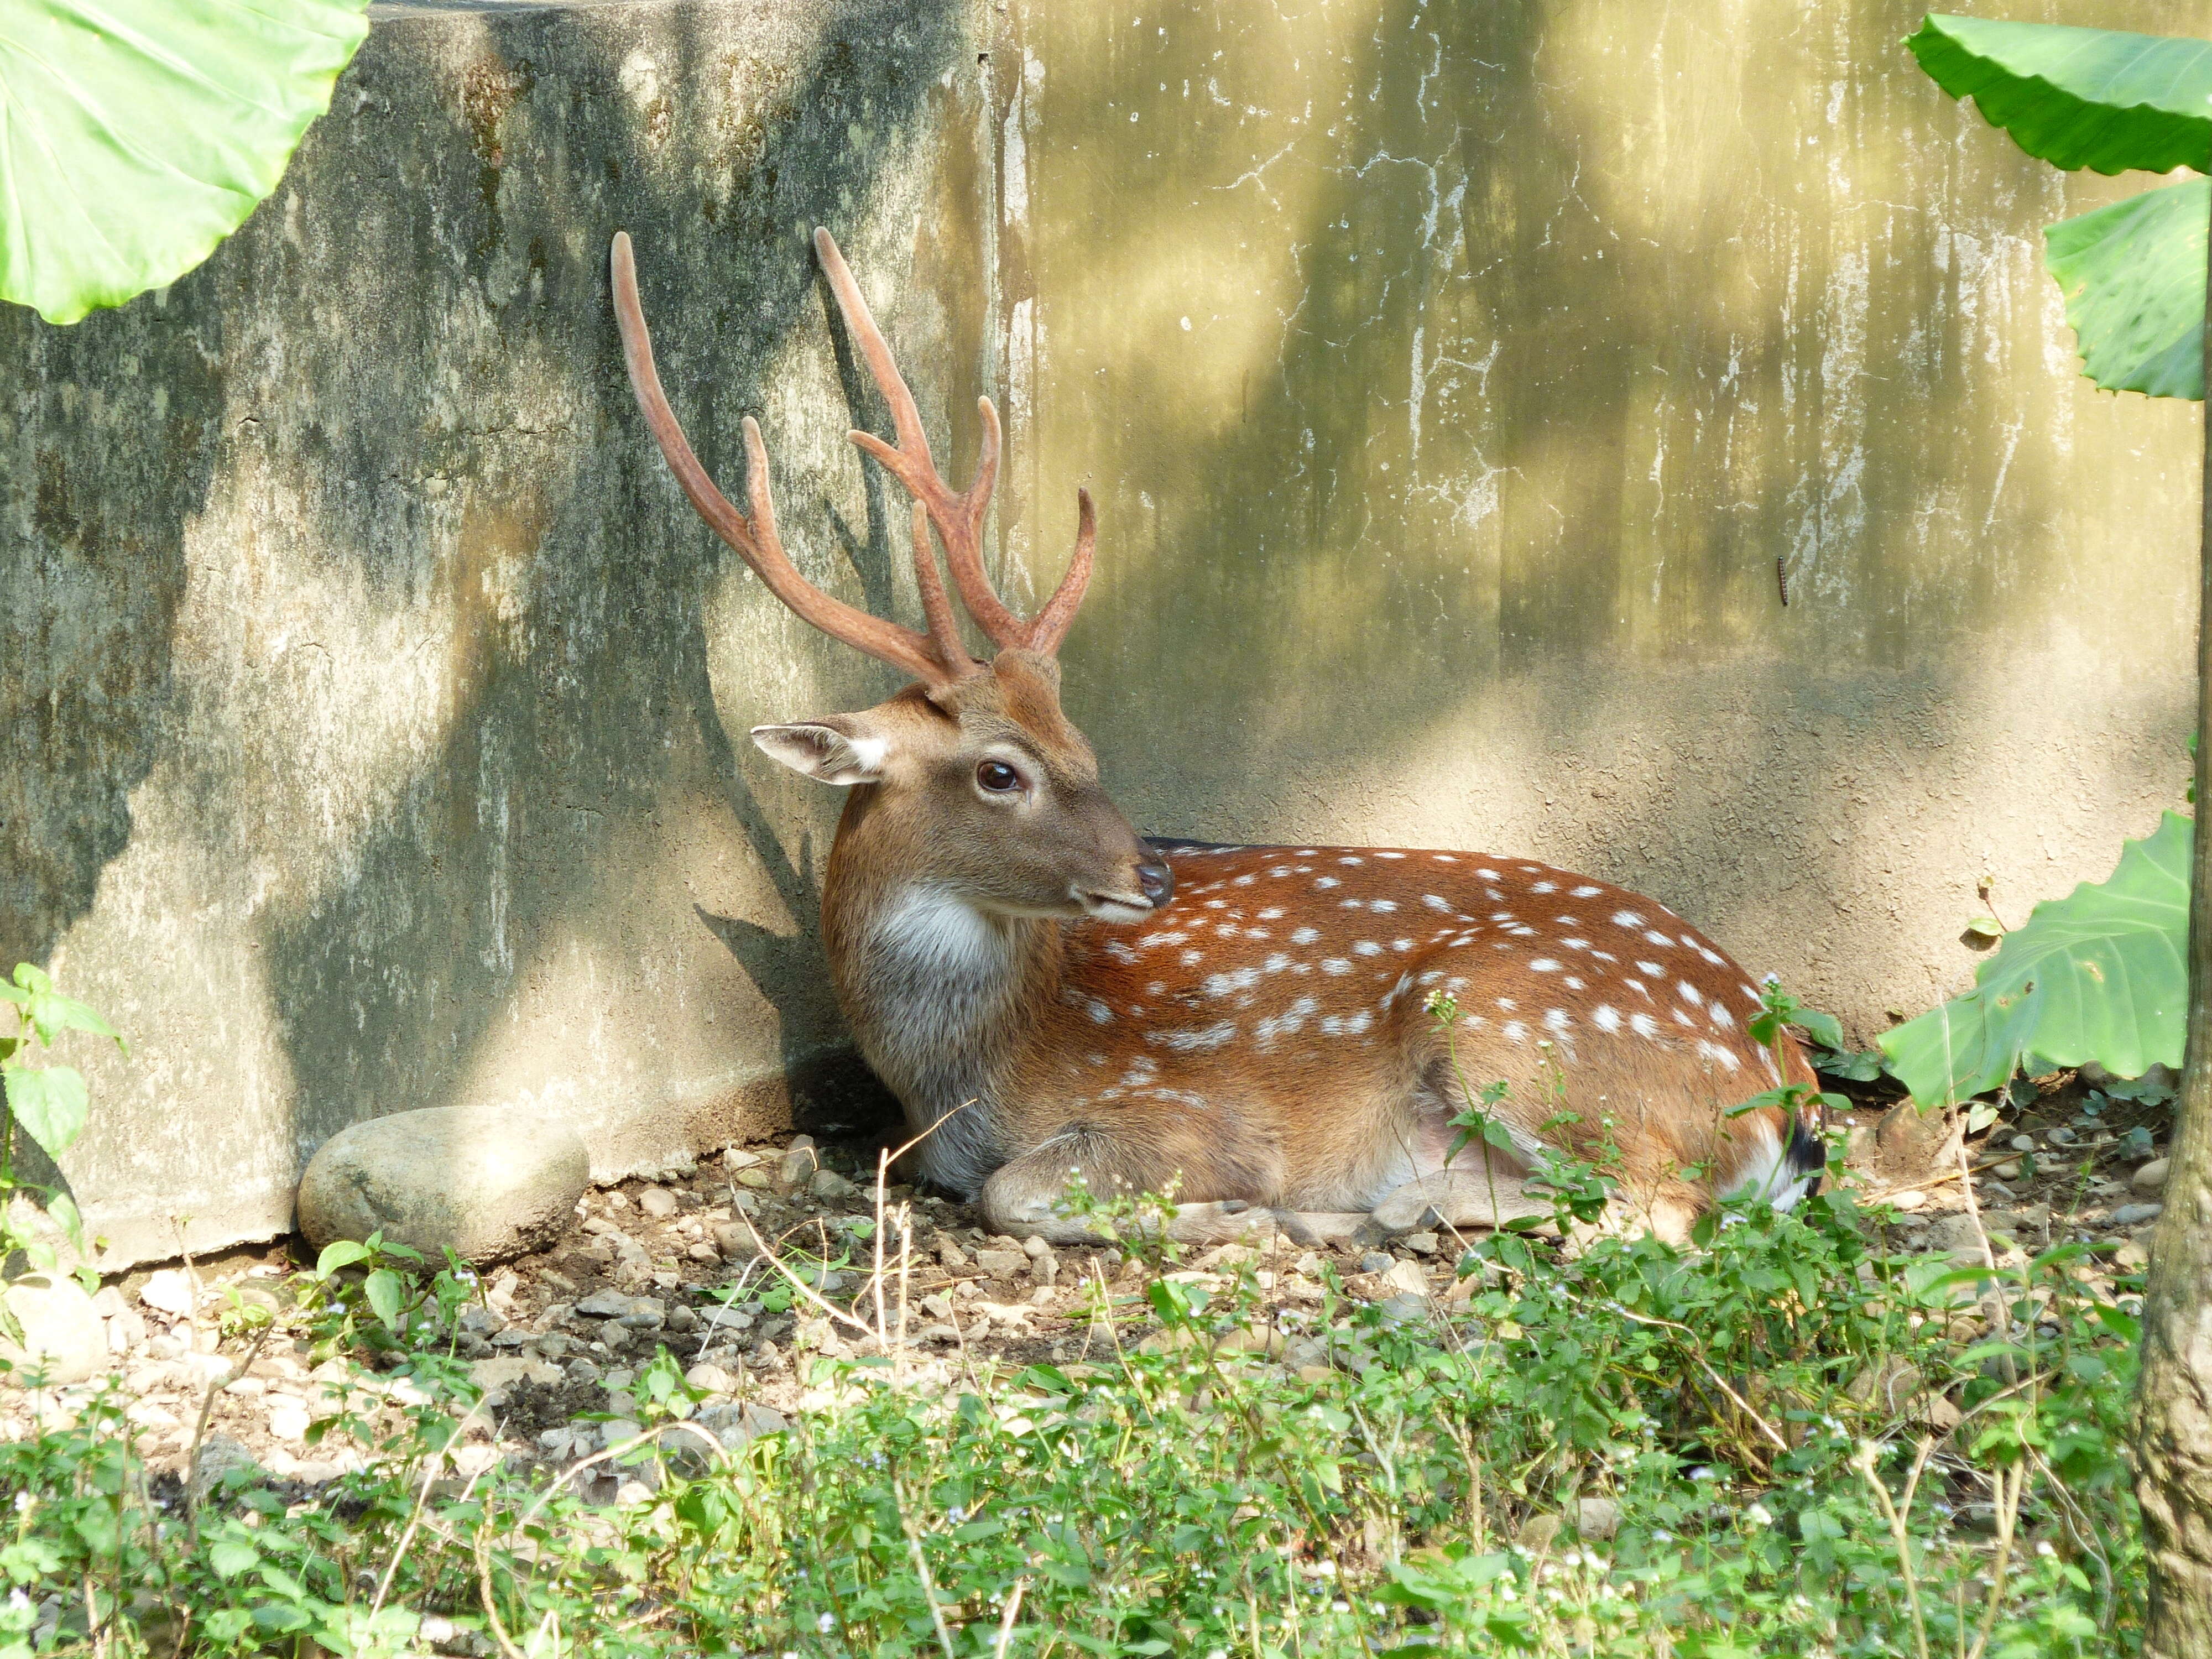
135 135
2101 975
2133 275
2100 99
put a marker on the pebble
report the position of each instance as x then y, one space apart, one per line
2022 1144
2061 1136
710 1379
63 1336
1377 1261
1596 1519
658 1202
2134 1215
1406 1278
827 1183
167 1291
2151 1177
2008 1170
604 1305
1908 1200
799 1163
1002 1264
1421 1243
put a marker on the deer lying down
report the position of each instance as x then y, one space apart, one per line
1244 1024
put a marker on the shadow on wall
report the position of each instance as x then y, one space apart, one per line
513 783
590 710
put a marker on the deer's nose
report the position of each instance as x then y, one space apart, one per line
1158 880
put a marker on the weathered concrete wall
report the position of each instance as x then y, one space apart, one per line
361 741
1451 377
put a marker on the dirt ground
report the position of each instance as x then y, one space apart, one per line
559 1337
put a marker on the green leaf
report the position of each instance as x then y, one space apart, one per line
1823 1028
2133 275
2102 975
338 1252
382 1290
2079 98
135 135
49 1104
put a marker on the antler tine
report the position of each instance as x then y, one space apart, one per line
959 515
1053 623
943 627
754 539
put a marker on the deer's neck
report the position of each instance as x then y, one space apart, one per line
940 994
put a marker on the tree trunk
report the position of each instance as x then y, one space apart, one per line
2173 1433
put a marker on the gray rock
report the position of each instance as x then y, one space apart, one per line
658 1202
827 1183
2151 1178
1002 1264
606 1304
63 1337
1377 1261
1954 1233
2134 1215
799 1163
485 1185
1596 1519
221 1458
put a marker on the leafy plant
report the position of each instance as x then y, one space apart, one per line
2102 975
49 1104
1618 1451
374 1293
135 135
2132 273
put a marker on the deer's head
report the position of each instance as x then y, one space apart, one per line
989 791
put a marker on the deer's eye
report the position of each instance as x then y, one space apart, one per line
997 777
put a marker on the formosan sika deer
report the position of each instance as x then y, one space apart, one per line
1247 1026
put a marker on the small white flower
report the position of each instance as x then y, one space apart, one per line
826 1623
2042 1547
1759 1515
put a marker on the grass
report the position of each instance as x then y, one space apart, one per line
1737 1449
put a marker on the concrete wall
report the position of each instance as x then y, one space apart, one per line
1451 377
361 741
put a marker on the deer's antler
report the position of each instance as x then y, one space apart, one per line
958 516
937 657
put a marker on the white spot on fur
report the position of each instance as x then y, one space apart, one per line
1606 1017
1690 993
1588 892
1545 965
1325 881
1643 1025
1336 965
1197 1039
1626 918
1367 947
1305 935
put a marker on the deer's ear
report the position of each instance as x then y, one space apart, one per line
838 751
